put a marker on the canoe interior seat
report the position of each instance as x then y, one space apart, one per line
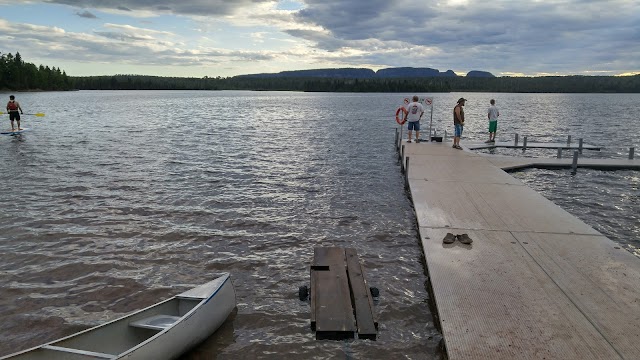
156 322
92 354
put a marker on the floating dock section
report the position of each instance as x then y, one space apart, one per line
535 283
341 302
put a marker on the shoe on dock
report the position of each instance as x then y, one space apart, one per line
465 239
449 238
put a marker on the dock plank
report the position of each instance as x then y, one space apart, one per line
475 169
362 301
601 279
495 302
487 206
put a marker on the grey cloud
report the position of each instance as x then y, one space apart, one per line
86 14
322 40
187 7
120 36
497 36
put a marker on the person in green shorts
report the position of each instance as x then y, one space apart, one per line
493 114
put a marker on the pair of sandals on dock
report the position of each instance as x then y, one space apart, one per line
463 238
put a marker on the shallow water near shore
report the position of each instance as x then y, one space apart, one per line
117 199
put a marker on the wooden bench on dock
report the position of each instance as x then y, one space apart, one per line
341 302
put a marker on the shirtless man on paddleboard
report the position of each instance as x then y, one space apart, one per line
12 108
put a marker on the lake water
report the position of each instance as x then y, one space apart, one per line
117 199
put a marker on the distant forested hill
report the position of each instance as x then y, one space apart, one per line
547 84
358 73
18 75
352 73
15 74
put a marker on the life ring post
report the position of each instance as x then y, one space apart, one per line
400 119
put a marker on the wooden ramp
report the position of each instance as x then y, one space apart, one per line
536 283
341 303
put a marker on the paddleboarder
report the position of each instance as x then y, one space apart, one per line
12 108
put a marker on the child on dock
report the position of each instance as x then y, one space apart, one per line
492 114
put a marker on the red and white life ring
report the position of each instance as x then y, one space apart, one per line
400 119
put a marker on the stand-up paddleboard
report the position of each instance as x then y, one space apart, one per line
17 132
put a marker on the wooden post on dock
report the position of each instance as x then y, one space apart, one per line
631 151
574 164
406 173
580 145
568 140
515 142
524 143
402 156
559 153
396 139
445 136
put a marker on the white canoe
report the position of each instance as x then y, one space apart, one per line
162 331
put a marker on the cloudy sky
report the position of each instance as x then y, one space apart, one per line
231 37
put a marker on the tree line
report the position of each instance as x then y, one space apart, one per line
546 84
18 75
15 74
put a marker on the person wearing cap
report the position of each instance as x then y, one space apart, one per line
414 113
493 114
458 122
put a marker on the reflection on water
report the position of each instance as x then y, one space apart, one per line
127 198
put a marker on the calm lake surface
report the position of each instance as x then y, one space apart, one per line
117 199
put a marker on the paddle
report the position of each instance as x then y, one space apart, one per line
36 114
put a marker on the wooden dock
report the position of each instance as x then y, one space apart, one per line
536 283
341 302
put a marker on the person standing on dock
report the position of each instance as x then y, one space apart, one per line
12 108
493 114
458 122
414 113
